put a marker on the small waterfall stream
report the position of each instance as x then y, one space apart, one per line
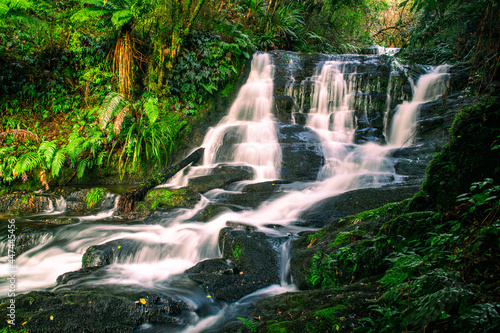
247 136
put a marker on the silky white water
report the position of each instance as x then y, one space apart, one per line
429 87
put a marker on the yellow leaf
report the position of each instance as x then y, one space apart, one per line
51 318
143 301
208 296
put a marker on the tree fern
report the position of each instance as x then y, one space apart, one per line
121 17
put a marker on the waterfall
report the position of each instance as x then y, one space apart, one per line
167 243
247 134
429 87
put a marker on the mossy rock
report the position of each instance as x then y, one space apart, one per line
169 199
468 157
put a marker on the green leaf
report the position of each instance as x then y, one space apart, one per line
121 17
80 170
58 162
151 109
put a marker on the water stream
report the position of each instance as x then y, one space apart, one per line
247 136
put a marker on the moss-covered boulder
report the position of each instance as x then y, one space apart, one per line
164 199
471 155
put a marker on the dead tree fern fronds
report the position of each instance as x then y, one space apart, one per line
19 134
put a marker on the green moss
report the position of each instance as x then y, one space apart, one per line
280 327
330 313
468 157
237 252
166 198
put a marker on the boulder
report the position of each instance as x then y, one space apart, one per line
353 202
90 311
249 262
166 199
220 177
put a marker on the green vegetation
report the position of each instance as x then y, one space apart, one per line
427 263
94 197
237 252
109 87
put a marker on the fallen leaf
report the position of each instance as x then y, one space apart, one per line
143 301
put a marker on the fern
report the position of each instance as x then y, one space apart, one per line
58 162
26 162
151 109
112 102
89 13
80 169
46 151
121 17
252 326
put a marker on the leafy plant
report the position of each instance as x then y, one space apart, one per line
94 196
251 325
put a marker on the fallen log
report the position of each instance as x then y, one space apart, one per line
128 200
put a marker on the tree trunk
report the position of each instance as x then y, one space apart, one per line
129 200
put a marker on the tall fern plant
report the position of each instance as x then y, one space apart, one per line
143 133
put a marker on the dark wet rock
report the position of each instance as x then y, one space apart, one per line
249 262
211 211
369 134
248 200
108 253
300 118
410 167
21 203
283 107
302 157
29 235
270 186
165 199
88 311
220 177
349 203
82 275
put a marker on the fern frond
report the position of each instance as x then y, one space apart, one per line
75 148
80 169
121 17
47 150
89 13
117 126
112 102
58 162
100 157
26 163
4 9
151 109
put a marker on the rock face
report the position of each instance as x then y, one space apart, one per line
249 262
23 203
302 157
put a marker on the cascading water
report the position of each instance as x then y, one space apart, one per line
429 87
176 241
247 134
